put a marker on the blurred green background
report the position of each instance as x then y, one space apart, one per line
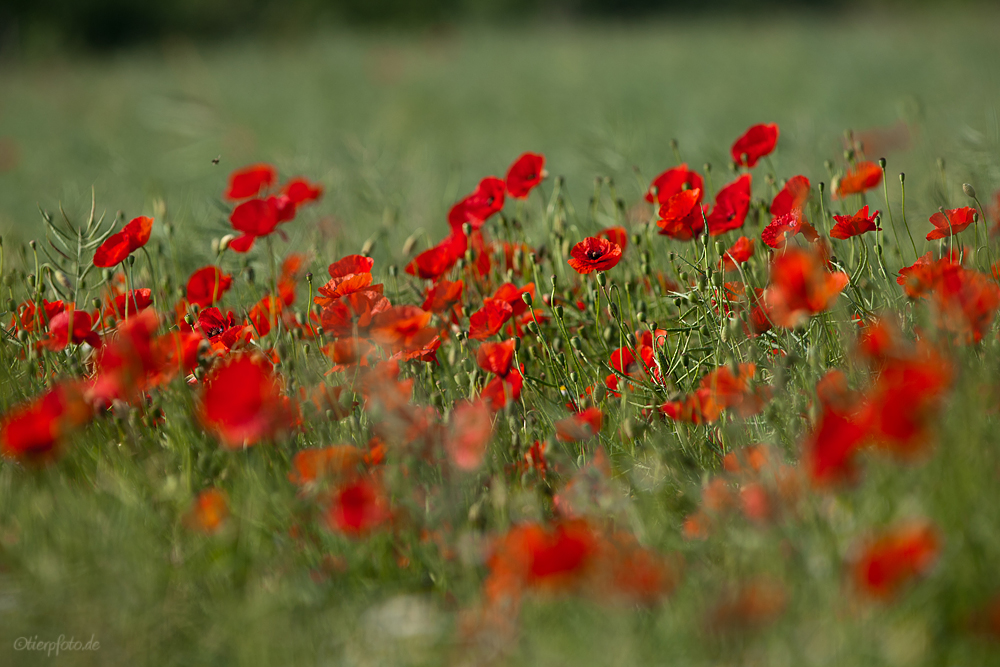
400 123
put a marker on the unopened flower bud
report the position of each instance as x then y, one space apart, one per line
225 241
969 190
602 279
881 162
526 297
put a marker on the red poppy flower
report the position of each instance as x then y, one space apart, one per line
800 286
864 176
223 331
350 265
34 430
256 217
617 235
124 366
533 556
488 320
581 426
501 391
854 225
920 277
829 450
209 512
118 246
29 317
71 326
526 172
738 253
137 299
672 182
593 254
792 197
241 403
681 217
755 143
352 313
175 352
207 285
892 559
731 207
397 327
787 226
300 191
514 295
496 358
434 262
469 433
966 302
265 313
479 206
443 296
249 181
951 222
358 508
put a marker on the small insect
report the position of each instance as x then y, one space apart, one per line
215 160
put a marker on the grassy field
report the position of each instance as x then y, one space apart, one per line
397 128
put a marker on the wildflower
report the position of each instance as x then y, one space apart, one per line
300 191
864 176
756 142
254 218
617 235
488 320
209 511
889 561
437 261
71 327
444 296
207 285
737 254
33 431
358 508
469 433
249 181
118 246
486 200
792 197
672 182
593 254
241 403
800 286
580 426
951 222
854 225
496 358
785 227
681 217
732 204
133 302
526 172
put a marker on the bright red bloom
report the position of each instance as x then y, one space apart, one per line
353 312
209 511
581 426
792 197
127 362
402 328
593 254
256 217
864 176
966 303
682 217
301 191
951 222
469 434
30 318
241 403
534 556
496 358
671 182
206 286
829 450
731 207
358 508
486 200
434 262
718 391
137 299
889 561
443 296
755 143
71 326
265 314
787 226
514 296
526 172
350 265
738 253
800 286
617 235
249 181
33 431
223 331
501 391
854 225
919 278
488 320
118 246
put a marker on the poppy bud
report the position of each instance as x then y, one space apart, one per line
969 190
602 279
22 335
881 163
576 343
393 270
96 303
32 244
517 344
640 316
572 377
217 246
631 339
684 277
526 297
678 301
636 239
600 393
31 280
614 310
199 373
902 177
366 248
559 312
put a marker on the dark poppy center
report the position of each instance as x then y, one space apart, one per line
593 254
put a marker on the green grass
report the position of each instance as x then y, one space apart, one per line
398 127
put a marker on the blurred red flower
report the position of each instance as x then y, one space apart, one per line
800 286
242 404
951 222
792 197
486 200
890 560
681 217
119 246
249 181
755 143
864 176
